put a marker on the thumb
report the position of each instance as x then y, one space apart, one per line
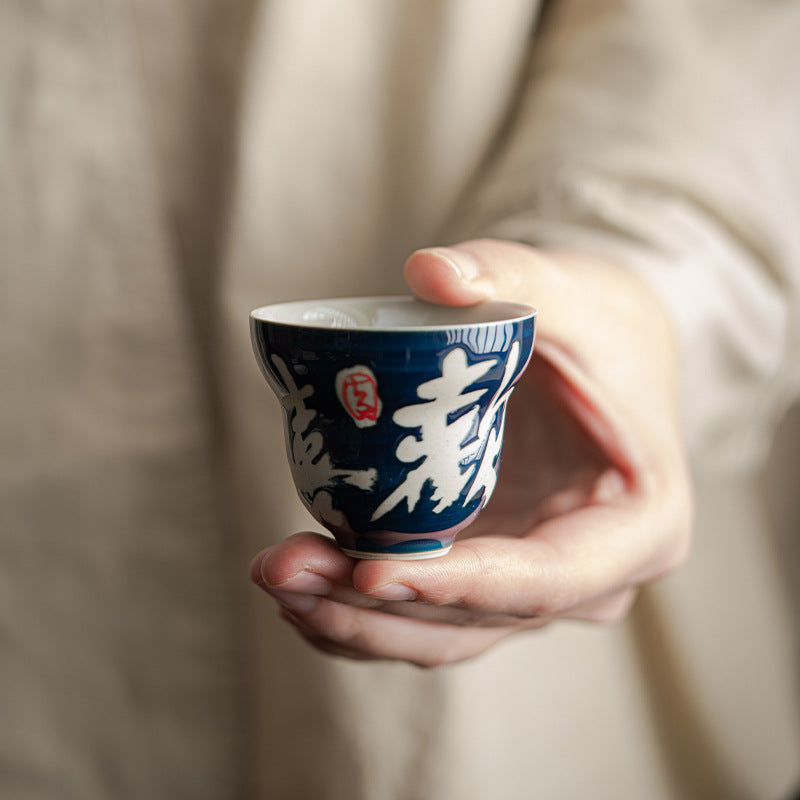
449 276
599 326
473 271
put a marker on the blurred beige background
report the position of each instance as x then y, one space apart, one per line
167 166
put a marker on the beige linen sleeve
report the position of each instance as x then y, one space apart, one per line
666 136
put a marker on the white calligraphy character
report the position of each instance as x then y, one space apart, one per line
456 445
312 469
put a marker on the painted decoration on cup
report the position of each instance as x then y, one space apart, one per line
394 435
312 468
357 390
457 443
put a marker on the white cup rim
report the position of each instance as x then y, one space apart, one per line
376 314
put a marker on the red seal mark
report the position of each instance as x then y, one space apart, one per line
357 390
360 396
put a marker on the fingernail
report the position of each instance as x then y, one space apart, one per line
463 264
298 603
305 583
255 568
393 591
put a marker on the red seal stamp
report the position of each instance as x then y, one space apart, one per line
357 391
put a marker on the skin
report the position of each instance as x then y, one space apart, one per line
593 498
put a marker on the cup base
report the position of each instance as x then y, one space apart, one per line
372 556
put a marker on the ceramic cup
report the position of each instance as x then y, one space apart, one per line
394 412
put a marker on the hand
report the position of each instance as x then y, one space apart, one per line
592 500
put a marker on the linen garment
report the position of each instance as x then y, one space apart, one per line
165 167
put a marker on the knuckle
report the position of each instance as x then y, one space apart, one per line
437 596
344 629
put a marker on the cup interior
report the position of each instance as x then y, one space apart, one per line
389 313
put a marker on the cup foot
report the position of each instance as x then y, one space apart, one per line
366 555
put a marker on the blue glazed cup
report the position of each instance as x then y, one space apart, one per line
394 412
